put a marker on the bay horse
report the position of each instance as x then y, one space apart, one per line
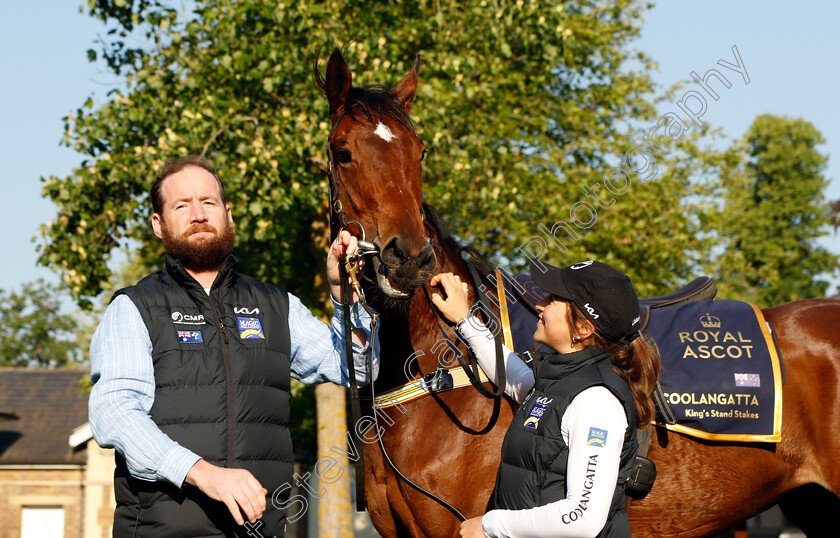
449 443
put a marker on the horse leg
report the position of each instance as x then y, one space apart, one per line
391 510
381 506
703 488
811 351
396 509
813 509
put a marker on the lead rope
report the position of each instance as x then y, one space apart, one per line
355 402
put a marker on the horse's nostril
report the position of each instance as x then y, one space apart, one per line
392 253
427 257
397 252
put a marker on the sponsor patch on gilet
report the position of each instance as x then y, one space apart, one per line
250 328
536 413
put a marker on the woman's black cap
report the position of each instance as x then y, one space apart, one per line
604 294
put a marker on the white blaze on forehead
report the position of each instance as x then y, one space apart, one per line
383 132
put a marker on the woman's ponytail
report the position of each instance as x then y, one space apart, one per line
636 362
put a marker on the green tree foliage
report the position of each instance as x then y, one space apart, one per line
773 211
522 104
33 330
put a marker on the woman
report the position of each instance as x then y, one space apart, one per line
572 443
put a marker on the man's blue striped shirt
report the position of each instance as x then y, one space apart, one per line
124 386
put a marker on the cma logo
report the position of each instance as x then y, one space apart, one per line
178 317
591 311
544 400
246 311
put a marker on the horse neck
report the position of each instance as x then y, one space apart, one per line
410 336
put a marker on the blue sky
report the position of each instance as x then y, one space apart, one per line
45 75
790 53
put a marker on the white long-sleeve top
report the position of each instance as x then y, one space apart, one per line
592 469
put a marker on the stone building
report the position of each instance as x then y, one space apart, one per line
54 480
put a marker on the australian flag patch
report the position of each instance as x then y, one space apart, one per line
250 328
190 337
597 437
747 380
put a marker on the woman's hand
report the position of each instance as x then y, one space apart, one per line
456 305
472 528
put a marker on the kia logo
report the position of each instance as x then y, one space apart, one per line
580 265
591 311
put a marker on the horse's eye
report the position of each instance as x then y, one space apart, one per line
343 156
424 155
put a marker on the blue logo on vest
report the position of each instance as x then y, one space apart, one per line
536 413
190 337
597 437
250 328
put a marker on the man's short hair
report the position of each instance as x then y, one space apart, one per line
173 166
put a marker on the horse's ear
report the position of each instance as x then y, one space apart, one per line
404 91
339 80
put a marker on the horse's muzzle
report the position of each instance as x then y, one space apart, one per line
399 274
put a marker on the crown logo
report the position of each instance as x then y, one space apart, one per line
709 321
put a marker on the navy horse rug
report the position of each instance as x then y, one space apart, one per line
721 370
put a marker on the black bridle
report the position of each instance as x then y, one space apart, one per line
338 222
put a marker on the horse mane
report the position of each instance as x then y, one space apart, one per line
370 101
441 229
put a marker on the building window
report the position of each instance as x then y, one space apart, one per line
41 521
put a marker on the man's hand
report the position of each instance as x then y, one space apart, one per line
344 244
237 488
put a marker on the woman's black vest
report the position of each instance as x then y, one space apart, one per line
222 379
534 455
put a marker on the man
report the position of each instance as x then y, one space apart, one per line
191 373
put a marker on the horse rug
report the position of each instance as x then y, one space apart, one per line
721 370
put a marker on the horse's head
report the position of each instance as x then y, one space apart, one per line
376 175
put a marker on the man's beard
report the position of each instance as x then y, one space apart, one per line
199 254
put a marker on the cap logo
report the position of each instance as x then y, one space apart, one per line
580 265
591 311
